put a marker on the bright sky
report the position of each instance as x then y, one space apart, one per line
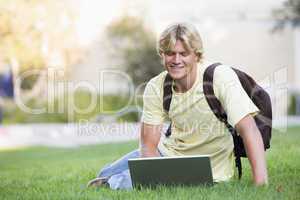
96 14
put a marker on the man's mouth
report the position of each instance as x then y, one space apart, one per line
176 67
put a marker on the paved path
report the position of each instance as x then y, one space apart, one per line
66 135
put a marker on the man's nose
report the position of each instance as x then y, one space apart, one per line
177 58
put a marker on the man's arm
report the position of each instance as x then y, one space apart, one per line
150 136
255 149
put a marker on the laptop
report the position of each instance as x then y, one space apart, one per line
170 171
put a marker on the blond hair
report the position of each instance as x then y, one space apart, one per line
184 32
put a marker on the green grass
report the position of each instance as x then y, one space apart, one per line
53 173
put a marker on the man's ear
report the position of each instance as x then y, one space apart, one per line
162 58
199 56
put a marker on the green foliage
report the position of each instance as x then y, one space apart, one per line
288 14
55 173
292 109
135 46
62 110
38 34
29 81
19 38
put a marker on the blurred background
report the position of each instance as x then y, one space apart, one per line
72 72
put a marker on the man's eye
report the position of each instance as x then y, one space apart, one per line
169 53
185 54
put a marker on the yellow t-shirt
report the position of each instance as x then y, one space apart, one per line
195 129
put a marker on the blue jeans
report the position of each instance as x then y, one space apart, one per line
118 172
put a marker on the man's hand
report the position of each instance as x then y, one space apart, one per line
150 136
255 149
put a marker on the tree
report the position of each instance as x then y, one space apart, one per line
288 14
34 33
135 46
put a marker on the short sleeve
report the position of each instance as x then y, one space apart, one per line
153 112
232 95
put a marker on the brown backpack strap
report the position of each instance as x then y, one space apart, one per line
213 102
167 98
219 112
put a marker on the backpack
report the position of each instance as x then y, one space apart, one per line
256 93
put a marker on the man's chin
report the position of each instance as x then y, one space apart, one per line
176 76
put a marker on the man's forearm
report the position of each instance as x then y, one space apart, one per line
255 149
256 155
150 136
149 151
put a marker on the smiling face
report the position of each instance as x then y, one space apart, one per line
180 62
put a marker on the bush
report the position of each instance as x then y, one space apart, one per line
61 109
293 108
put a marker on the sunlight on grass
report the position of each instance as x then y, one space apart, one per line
57 173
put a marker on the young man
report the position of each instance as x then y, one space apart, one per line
195 129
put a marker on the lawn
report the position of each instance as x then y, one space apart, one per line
54 173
